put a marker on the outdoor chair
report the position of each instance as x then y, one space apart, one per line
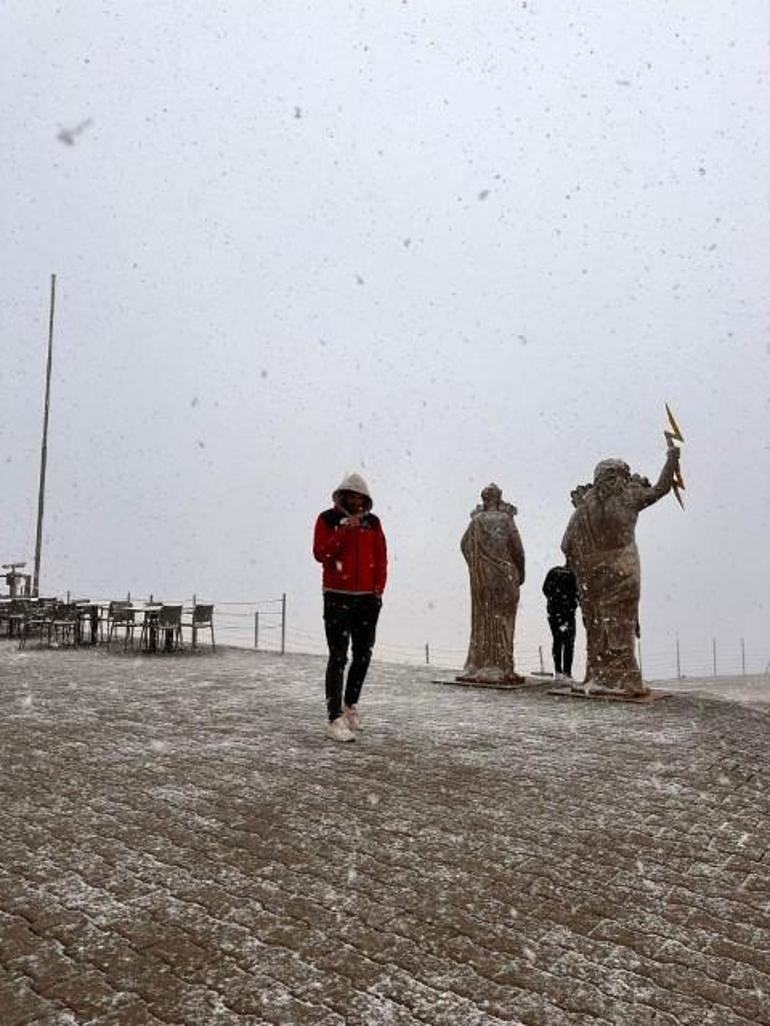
64 625
202 619
120 617
87 621
164 623
19 610
33 618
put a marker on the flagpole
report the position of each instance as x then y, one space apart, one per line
44 446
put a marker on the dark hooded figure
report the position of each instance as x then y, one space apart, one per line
560 590
350 545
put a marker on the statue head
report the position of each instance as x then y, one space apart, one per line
609 475
491 496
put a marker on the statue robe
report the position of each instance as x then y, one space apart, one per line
495 557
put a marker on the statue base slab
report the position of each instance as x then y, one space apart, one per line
498 685
652 695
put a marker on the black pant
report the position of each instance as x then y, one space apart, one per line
563 633
348 618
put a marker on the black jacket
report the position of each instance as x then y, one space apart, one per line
560 590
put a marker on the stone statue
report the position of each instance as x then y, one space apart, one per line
600 546
495 557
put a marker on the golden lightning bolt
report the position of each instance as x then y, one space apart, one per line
675 435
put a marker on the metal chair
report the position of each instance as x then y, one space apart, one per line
165 621
64 624
202 618
33 618
120 617
87 621
16 617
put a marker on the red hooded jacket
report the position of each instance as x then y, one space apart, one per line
354 559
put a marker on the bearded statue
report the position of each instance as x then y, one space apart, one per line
600 546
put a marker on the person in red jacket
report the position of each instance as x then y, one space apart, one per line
349 543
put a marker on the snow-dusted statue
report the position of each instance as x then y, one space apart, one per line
600 546
495 557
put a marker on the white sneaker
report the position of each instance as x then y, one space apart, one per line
338 730
352 717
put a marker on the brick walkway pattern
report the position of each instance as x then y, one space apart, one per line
179 844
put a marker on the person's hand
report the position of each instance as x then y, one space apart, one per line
354 521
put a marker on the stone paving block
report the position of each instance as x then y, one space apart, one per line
132 1011
96 947
179 951
44 966
87 994
259 994
18 941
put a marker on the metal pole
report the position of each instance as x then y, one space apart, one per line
641 668
44 447
678 661
427 653
256 628
743 657
283 623
714 656
540 653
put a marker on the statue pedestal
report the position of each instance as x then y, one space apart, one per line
652 695
516 684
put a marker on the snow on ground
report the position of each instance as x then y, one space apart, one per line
182 845
750 690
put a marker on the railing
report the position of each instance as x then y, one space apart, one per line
658 663
254 623
258 623
262 624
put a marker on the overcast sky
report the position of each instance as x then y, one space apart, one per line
438 243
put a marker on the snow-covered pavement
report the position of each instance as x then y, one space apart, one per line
179 844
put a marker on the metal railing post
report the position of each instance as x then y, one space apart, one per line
714 656
678 661
427 654
256 628
283 624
